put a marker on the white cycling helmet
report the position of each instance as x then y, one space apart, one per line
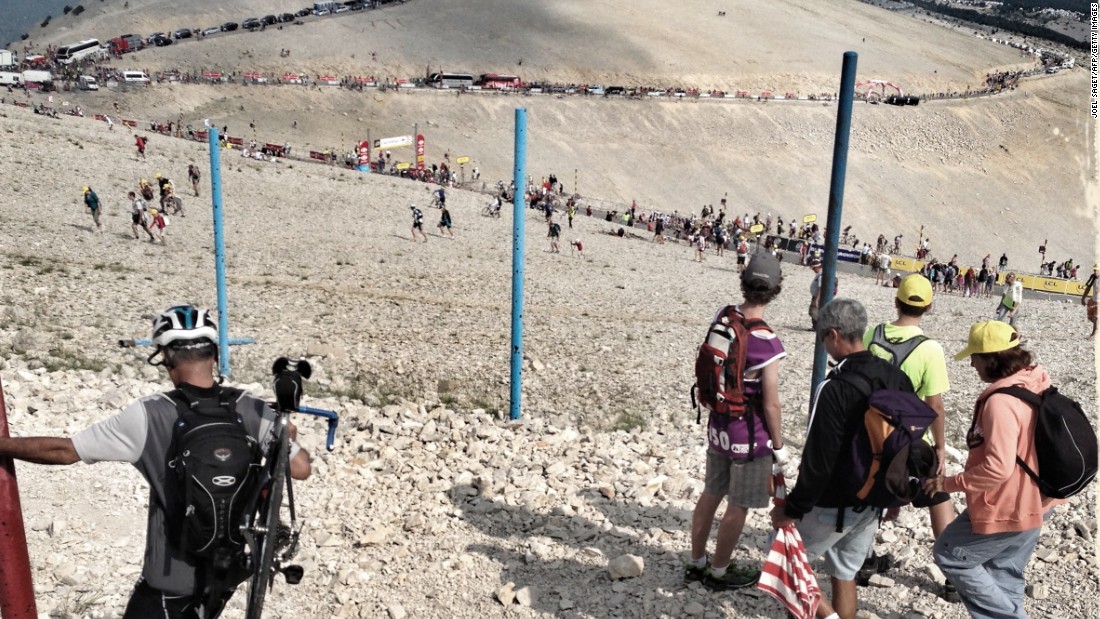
184 326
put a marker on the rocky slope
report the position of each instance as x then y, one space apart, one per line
432 503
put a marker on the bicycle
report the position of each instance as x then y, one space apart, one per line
491 210
271 544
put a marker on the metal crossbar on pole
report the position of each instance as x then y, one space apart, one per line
519 174
836 202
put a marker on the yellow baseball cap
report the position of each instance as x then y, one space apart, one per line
915 290
85 189
157 175
989 336
152 211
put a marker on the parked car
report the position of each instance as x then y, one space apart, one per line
162 41
269 20
304 12
182 33
342 9
229 26
616 90
211 30
153 36
596 90
357 6
250 23
285 17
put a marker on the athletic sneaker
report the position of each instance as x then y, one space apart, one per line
950 593
875 564
733 578
693 573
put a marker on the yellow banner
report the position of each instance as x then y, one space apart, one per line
404 165
901 263
1075 288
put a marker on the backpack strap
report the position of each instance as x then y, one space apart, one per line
1035 400
899 350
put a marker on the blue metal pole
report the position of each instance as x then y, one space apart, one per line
519 175
219 251
836 202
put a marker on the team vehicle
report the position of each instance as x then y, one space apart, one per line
182 33
251 23
229 26
450 80
496 81
126 43
161 41
75 51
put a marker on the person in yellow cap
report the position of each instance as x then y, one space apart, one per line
92 202
146 191
985 551
156 225
1091 297
903 343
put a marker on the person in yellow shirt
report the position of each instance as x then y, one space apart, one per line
903 343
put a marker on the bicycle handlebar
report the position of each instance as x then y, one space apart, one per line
333 421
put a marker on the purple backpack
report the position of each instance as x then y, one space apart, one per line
890 461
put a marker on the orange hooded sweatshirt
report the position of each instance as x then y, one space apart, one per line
1000 496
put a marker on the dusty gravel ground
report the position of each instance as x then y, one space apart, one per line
431 502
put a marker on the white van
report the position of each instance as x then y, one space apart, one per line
135 77
87 82
8 78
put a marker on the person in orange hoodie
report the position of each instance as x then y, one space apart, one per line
985 551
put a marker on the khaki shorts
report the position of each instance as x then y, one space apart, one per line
743 482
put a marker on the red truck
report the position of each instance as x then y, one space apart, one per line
126 43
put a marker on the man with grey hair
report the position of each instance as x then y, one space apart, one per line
829 518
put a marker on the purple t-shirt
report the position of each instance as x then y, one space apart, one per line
729 436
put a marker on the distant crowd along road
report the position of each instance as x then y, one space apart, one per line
69 62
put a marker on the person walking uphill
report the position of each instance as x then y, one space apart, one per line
828 516
91 200
985 551
741 449
185 337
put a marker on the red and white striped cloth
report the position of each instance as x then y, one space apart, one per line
787 575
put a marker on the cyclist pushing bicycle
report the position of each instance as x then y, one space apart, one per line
197 552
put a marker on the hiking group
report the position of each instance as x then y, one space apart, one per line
874 443
143 216
182 442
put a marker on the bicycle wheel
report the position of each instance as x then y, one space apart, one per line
268 518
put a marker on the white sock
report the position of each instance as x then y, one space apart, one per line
833 616
700 562
717 572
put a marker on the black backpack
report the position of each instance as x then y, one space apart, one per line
213 463
1064 442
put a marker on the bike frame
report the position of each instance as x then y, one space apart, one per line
261 530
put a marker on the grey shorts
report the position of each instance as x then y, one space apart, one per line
844 552
743 482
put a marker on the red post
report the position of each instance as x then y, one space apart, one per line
16 589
